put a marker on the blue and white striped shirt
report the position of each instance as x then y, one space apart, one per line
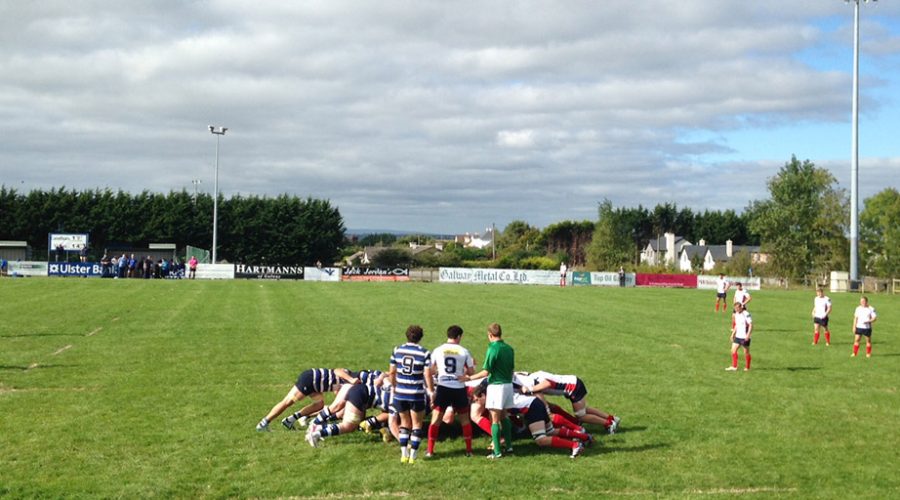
410 360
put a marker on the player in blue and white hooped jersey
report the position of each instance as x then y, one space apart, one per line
352 407
311 383
369 378
410 374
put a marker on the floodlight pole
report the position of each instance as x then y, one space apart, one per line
854 155
217 131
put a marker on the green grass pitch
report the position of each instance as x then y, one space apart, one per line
152 389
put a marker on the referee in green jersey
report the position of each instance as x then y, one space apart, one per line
499 364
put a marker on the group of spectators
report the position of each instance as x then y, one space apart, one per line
137 267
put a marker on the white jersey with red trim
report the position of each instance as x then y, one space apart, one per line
451 361
521 403
864 315
741 297
821 305
721 285
741 322
560 384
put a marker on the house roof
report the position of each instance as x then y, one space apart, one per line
719 252
693 251
680 243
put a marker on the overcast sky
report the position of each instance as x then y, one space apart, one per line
446 116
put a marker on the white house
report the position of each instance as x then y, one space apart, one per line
715 254
663 250
476 240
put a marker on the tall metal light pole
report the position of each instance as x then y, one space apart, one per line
217 131
854 155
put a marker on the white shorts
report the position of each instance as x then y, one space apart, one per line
499 397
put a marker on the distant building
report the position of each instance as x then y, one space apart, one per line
717 254
476 240
663 250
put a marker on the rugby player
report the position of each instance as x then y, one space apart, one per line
820 312
722 286
863 318
311 383
499 364
410 373
450 361
741 329
573 389
741 296
358 398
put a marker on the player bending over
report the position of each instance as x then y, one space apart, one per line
370 378
358 399
311 383
573 389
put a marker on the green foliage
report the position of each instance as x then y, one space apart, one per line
283 230
738 265
879 234
379 239
517 242
568 241
392 257
544 263
803 224
612 245
160 400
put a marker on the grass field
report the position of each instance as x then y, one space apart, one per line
152 389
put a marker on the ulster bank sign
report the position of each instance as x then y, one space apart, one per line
246 271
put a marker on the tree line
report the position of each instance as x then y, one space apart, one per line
279 230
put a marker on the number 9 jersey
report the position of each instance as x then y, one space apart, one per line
451 361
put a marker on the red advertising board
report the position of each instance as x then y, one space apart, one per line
666 280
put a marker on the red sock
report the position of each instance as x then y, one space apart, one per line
570 434
562 443
827 337
747 365
855 349
717 307
609 420
734 357
433 430
815 337
869 350
561 422
559 411
484 424
467 435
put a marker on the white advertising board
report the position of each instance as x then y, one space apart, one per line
709 282
26 268
69 242
215 271
322 274
498 276
611 279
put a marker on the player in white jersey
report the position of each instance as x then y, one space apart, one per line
863 318
722 286
741 329
820 312
741 296
563 269
450 361
573 389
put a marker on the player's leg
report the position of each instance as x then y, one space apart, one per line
816 331
827 331
869 346
746 358
734 356
330 412
418 419
434 429
466 424
292 397
581 413
301 416
856 344
404 431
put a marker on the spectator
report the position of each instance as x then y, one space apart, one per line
192 265
83 253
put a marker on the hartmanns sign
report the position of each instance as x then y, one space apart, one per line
269 272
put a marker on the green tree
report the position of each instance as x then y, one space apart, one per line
803 224
612 244
879 234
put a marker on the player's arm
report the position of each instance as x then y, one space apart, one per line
872 317
827 309
476 376
392 373
344 375
749 329
545 384
429 380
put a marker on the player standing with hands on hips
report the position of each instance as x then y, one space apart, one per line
862 326
499 365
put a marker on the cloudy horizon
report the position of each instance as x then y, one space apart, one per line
445 117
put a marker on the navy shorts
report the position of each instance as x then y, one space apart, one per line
742 342
447 397
414 406
537 412
305 383
865 332
358 396
821 321
579 393
721 295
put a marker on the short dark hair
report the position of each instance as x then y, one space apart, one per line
454 332
414 333
495 330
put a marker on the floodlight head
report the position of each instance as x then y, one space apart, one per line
224 129
211 128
